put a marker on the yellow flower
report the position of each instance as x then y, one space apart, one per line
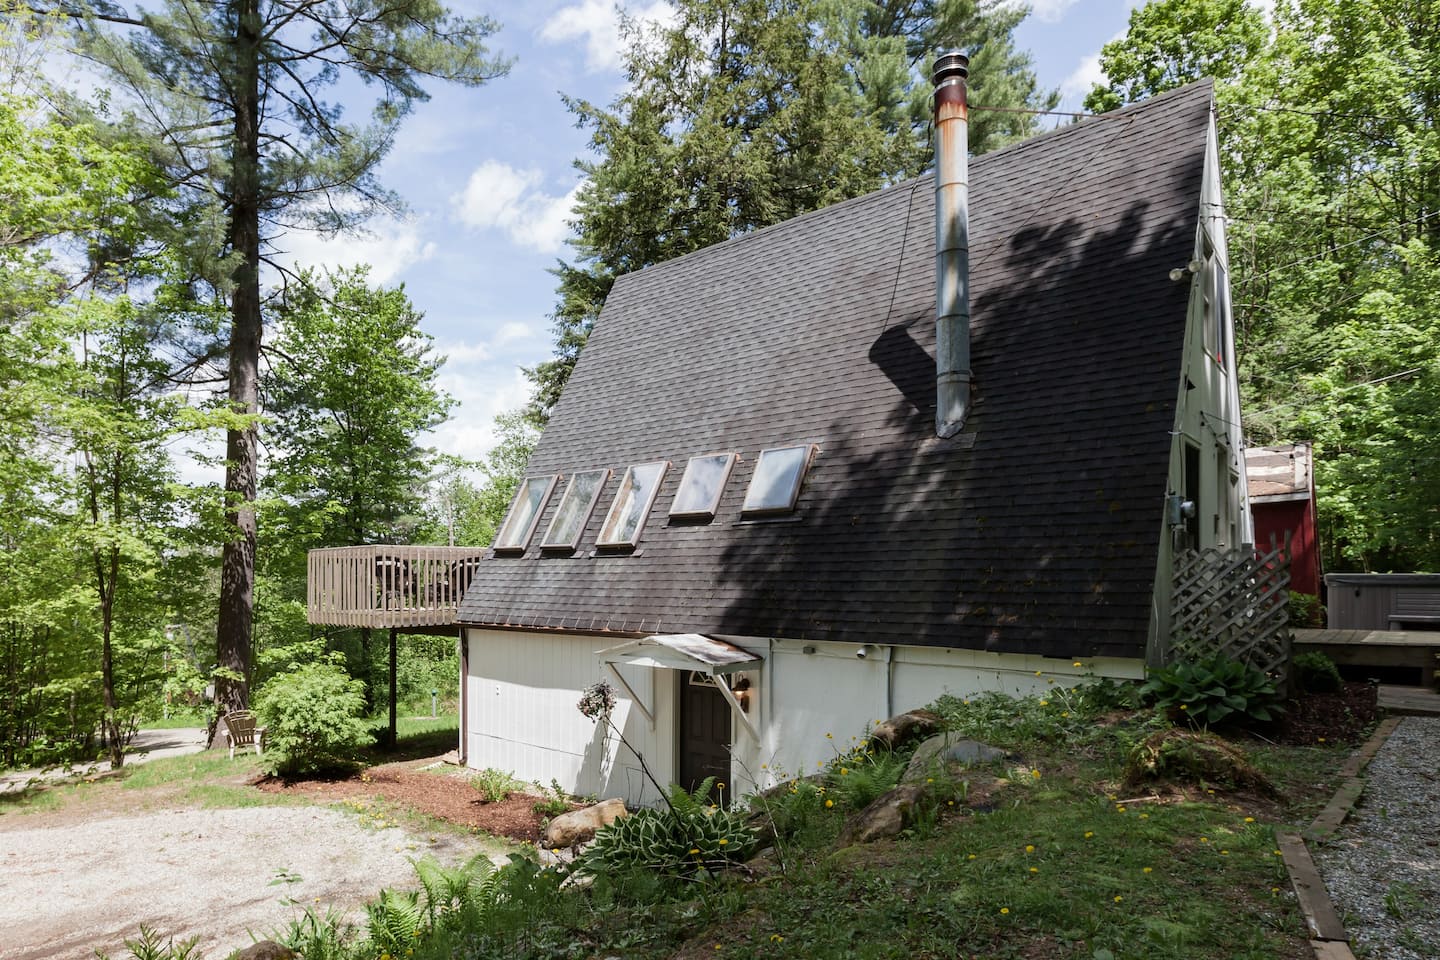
1034 869
1038 673
1118 899
1147 870
829 804
764 766
844 772
1004 910
1184 706
1144 816
1077 663
1065 714
694 851
1274 889
1035 774
719 786
1089 834
1029 848
1249 819
1319 739
1204 839
776 938
723 841
829 736
949 803
929 779
1277 853
1119 808
1224 853
970 857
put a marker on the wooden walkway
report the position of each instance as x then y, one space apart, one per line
1417 650
1409 701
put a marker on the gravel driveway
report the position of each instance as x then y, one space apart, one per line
71 888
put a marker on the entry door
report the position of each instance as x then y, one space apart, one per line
704 732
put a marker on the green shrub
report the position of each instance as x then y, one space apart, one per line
686 838
861 776
1213 690
1316 673
553 799
495 785
314 720
795 810
1305 610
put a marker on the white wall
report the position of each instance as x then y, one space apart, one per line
522 691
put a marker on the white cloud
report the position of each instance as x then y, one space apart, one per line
598 23
1083 79
484 390
513 331
1050 11
388 244
500 197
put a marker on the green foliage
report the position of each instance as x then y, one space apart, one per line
317 936
553 799
857 778
1305 610
150 946
1009 722
314 720
1315 672
743 113
396 920
1216 689
685 838
1193 756
495 785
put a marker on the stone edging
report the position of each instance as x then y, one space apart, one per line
1327 934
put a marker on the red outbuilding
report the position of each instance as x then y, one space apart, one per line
1282 500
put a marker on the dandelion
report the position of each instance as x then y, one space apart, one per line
1035 774
1077 663
1224 853
1277 853
1204 839
971 857
829 804
1119 808
1065 714
1044 703
1144 816
929 779
776 938
1039 674
1274 889
1148 870
1119 899
1249 819
1004 911
1089 834
1029 848
723 841
764 766
694 851
1319 739
829 736
844 772
950 803
1184 706
1034 869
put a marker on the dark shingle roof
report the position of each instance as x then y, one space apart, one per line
1035 531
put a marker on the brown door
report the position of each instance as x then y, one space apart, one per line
704 733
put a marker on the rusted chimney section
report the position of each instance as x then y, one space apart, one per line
952 244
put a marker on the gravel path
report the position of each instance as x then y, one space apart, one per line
1383 867
67 890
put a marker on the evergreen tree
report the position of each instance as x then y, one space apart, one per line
233 94
744 113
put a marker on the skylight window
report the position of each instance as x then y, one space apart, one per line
633 500
776 483
700 488
525 512
575 509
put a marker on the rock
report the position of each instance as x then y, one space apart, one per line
886 817
265 950
902 728
579 826
946 756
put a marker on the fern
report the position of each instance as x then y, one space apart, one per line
396 921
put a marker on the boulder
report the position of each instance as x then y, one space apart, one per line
886 817
579 826
902 728
947 756
265 950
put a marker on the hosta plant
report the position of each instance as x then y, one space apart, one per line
1214 690
688 837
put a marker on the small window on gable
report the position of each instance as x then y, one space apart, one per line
776 483
626 519
700 488
575 508
525 512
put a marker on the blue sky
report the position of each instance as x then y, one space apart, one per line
488 175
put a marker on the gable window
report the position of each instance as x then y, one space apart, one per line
525 512
700 488
776 483
575 508
626 519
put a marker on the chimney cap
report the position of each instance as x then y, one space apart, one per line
951 64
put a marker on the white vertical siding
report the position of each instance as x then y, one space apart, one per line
522 693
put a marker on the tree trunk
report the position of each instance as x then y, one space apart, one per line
237 573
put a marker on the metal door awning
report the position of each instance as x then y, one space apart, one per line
683 651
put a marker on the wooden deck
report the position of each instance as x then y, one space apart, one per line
1417 650
413 589
1409 701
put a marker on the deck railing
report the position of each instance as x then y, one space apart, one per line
384 585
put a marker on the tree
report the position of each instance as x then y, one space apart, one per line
233 94
744 113
1330 139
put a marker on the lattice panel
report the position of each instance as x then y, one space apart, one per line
1233 602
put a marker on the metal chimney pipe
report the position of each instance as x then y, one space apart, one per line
952 244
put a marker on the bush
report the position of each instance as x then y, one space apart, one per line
314 720
686 838
860 777
495 785
1316 673
1304 610
1213 690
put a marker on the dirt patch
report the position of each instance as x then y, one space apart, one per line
439 792
1343 716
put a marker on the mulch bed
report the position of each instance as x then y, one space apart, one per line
1344 716
436 792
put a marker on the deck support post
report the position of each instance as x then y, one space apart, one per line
393 735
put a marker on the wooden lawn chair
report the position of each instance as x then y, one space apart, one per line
240 731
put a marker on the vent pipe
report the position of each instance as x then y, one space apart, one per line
952 244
